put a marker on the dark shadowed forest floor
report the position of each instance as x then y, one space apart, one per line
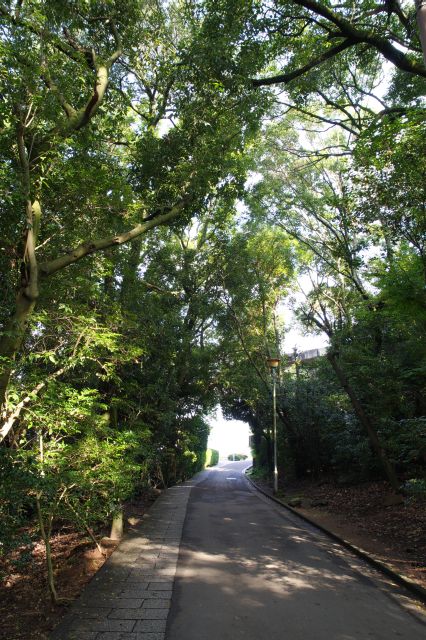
25 608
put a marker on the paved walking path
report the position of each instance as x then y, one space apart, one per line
247 569
250 569
129 598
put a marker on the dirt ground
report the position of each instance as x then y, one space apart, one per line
26 611
392 533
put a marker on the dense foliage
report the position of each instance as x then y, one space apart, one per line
172 174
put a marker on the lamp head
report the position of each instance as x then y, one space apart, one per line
273 363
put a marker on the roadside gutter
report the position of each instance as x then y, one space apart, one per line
385 568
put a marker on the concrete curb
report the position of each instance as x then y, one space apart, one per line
406 582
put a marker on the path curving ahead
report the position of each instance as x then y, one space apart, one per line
249 569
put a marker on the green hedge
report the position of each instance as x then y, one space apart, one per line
237 456
212 457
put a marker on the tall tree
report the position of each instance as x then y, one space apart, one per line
50 123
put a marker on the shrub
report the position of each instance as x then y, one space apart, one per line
212 457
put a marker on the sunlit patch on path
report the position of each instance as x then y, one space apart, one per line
129 599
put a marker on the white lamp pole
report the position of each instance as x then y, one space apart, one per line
273 365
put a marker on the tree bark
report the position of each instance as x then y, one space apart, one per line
45 534
366 423
14 331
421 23
12 340
117 525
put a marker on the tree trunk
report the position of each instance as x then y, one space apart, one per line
14 331
366 423
117 525
421 23
12 339
45 534
130 275
257 431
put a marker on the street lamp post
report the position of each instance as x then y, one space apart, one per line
273 365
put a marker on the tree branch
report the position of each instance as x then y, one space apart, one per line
93 246
12 418
352 36
296 73
350 31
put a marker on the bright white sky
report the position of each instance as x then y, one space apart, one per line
228 436
295 337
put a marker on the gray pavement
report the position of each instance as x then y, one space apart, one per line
243 567
129 598
250 569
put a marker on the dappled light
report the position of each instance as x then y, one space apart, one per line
212 248
261 565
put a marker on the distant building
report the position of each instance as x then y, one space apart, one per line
303 356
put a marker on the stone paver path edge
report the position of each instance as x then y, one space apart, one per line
130 596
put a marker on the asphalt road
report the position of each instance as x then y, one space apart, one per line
248 569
